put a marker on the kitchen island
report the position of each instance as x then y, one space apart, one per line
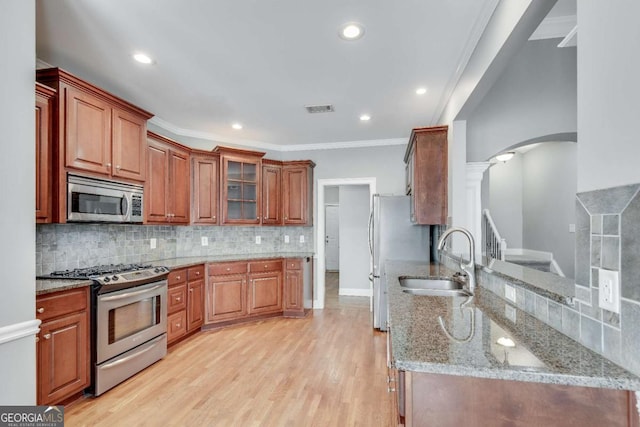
458 358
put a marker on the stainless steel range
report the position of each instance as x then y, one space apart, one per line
129 320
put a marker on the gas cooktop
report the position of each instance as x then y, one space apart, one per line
129 274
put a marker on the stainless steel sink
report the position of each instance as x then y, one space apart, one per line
429 283
438 292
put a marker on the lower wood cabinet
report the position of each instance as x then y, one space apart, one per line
265 287
227 292
63 345
293 287
185 302
241 289
448 400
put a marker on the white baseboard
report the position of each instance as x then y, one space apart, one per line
19 330
354 292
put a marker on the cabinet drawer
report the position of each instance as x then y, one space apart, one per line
61 303
176 298
294 264
268 265
176 325
195 273
177 276
223 268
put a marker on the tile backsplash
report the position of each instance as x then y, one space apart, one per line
67 246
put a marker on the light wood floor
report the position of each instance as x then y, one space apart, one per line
328 369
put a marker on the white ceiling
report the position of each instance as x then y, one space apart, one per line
260 62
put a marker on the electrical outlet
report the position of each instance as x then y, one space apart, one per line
286 238
510 293
572 228
153 242
204 240
302 238
609 295
510 313
258 240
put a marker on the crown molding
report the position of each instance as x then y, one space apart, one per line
217 139
556 27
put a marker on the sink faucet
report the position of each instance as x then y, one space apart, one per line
470 267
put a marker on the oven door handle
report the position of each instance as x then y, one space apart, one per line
132 356
129 294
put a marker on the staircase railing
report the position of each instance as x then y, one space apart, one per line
494 245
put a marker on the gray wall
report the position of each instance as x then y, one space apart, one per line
534 96
332 195
505 195
17 172
609 93
354 249
548 207
386 164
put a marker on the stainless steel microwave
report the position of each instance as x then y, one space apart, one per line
97 200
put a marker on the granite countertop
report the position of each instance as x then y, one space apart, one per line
45 286
541 353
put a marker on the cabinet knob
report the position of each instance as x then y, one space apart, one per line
177 277
179 299
47 336
118 167
37 339
214 217
41 310
286 217
108 165
266 266
228 268
190 290
197 273
391 390
178 325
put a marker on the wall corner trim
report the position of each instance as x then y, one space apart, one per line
19 330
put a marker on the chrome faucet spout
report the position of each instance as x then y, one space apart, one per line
470 267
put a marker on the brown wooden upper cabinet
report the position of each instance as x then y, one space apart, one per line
297 189
271 192
97 133
167 187
205 172
240 197
426 174
44 129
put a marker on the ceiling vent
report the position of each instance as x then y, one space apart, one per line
312 109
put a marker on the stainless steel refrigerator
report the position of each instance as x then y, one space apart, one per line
392 236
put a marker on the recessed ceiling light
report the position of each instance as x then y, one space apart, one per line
351 31
236 126
142 58
505 342
365 117
421 90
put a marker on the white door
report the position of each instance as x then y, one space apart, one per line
331 240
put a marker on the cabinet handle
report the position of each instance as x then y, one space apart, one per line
391 390
47 336
41 310
390 380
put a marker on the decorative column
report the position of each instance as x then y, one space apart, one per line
474 174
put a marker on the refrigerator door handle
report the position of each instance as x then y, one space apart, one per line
370 227
371 277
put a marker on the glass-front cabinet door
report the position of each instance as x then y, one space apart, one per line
241 190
